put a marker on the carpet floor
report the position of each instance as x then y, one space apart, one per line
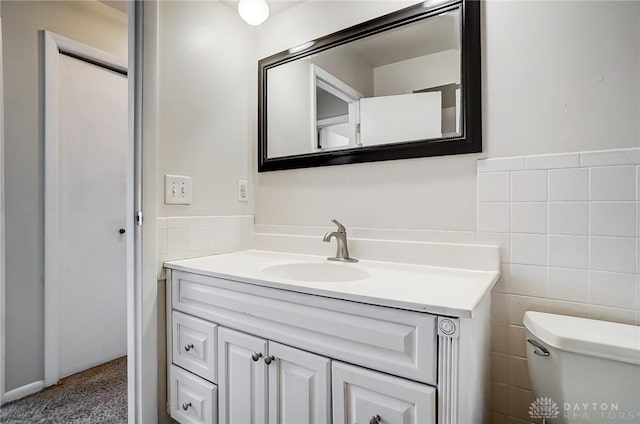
95 396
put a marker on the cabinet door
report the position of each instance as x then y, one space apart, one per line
362 396
299 386
242 380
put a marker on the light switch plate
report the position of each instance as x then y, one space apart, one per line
177 190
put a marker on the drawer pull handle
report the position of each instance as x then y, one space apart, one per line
375 419
188 347
256 356
186 405
269 359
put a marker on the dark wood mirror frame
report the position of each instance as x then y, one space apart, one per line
470 140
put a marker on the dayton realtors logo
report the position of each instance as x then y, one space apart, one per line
544 408
598 412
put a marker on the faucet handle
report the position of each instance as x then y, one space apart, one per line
341 228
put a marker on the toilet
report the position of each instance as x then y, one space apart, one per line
583 370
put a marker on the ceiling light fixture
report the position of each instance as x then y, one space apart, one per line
254 12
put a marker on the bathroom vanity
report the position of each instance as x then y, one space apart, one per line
257 337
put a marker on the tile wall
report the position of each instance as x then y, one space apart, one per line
193 236
569 228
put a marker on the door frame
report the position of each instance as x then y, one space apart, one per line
334 85
142 284
2 251
54 46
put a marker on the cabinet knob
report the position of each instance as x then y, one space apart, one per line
122 231
188 347
269 359
375 419
186 405
256 356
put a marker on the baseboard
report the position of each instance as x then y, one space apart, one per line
23 391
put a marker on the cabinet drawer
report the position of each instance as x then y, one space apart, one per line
360 396
193 400
195 345
390 340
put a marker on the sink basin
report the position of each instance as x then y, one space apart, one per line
317 272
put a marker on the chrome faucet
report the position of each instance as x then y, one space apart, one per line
342 254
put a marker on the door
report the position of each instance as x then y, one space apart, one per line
299 386
361 396
242 378
91 196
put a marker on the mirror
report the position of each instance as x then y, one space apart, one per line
400 86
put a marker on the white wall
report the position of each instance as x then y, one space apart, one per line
351 69
290 120
207 85
417 73
557 77
207 91
88 22
575 83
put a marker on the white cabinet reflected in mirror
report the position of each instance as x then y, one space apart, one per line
399 86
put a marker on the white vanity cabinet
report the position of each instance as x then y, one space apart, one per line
247 353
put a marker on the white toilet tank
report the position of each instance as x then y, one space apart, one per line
583 370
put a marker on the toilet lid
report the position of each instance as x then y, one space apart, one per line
608 340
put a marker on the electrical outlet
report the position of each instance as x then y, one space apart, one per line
177 190
243 193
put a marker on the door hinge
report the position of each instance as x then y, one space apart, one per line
139 218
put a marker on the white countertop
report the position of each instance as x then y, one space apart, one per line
437 290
